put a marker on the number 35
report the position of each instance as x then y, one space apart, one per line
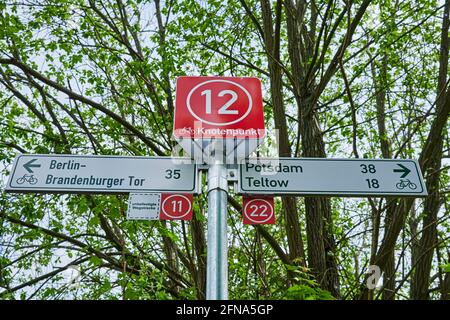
173 174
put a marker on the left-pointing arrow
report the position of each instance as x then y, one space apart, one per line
30 164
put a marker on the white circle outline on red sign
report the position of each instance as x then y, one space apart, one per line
176 217
250 104
255 221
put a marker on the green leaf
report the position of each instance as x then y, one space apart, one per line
96 261
445 267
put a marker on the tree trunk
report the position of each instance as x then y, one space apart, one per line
199 243
429 239
380 97
272 43
445 289
170 251
389 271
321 243
431 147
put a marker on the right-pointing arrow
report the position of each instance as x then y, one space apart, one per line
403 169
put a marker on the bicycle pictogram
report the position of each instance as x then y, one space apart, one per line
404 183
27 178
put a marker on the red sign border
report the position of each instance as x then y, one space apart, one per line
262 130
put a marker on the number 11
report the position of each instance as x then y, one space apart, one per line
174 205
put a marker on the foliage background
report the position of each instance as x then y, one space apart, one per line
354 78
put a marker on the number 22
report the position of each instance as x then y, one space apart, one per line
255 208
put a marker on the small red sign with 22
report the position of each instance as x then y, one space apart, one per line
260 210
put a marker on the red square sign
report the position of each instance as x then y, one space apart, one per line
176 206
218 107
258 210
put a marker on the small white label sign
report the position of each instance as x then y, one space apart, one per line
144 206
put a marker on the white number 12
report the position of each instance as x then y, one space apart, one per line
224 108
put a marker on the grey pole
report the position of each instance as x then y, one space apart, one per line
217 252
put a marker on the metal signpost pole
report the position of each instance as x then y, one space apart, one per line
217 252
214 114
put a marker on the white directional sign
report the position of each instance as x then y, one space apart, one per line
340 177
101 174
